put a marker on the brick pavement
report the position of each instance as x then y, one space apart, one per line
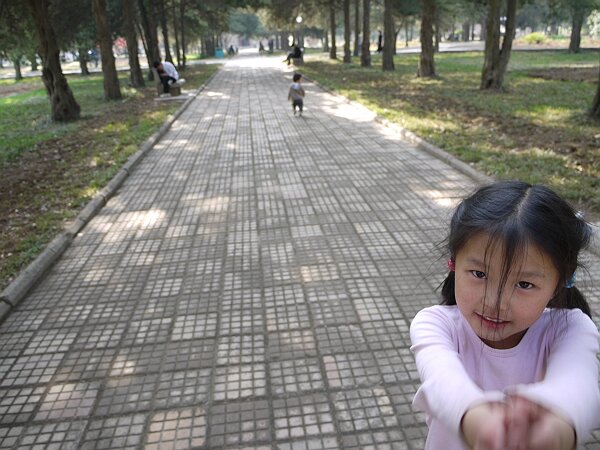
251 285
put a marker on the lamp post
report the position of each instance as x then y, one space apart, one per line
299 40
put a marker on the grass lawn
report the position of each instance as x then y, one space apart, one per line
537 130
49 171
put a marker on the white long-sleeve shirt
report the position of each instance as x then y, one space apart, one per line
555 365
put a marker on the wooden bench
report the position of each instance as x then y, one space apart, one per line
298 61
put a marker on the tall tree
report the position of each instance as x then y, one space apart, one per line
347 32
356 50
64 107
112 91
164 28
148 21
365 55
332 27
426 60
495 57
595 111
135 71
389 35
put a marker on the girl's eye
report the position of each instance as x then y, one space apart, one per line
478 274
524 285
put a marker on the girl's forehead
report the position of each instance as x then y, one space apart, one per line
491 250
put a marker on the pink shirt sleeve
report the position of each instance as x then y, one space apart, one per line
447 391
570 385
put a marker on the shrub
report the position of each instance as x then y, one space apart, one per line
535 38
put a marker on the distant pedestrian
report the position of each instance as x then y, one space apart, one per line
380 42
296 93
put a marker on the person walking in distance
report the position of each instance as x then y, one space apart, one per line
296 94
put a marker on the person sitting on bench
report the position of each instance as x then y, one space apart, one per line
168 74
294 53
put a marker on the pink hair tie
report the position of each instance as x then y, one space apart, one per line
451 265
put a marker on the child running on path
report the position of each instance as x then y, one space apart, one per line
508 360
296 93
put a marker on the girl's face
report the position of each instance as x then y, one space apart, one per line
528 289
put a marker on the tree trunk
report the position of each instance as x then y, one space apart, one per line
176 34
135 71
64 107
466 29
17 66
83 60
491 54
365 55
356 51
575 41
509 36
426 63
595 111
112 90
182 31
347 33
496 59
150 32
33 60
389 42
326 41
165 29
332 49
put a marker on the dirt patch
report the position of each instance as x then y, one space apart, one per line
7 90
582 74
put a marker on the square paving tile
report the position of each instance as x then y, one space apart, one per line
317 443
240 349
51 436
148 331
364 409
240 322
397 365
68 400
181 388
80 365
193 326
126 395
239 424
291 344
239 381
351 370
114 433
50 341
295 376
107 335
339 339
384 334
378 440
176 429
301 417
138 360
17 404
32 369
193 354
19 321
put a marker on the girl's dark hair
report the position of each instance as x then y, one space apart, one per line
514 214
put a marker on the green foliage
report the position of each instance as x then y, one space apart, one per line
535 38
593 23
246 24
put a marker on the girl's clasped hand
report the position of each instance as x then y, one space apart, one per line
516 424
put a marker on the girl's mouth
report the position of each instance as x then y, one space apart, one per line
492 322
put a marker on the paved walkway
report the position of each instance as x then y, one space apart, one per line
251 285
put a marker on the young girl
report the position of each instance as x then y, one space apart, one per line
508 361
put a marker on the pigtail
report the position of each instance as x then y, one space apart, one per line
448 297
570 298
